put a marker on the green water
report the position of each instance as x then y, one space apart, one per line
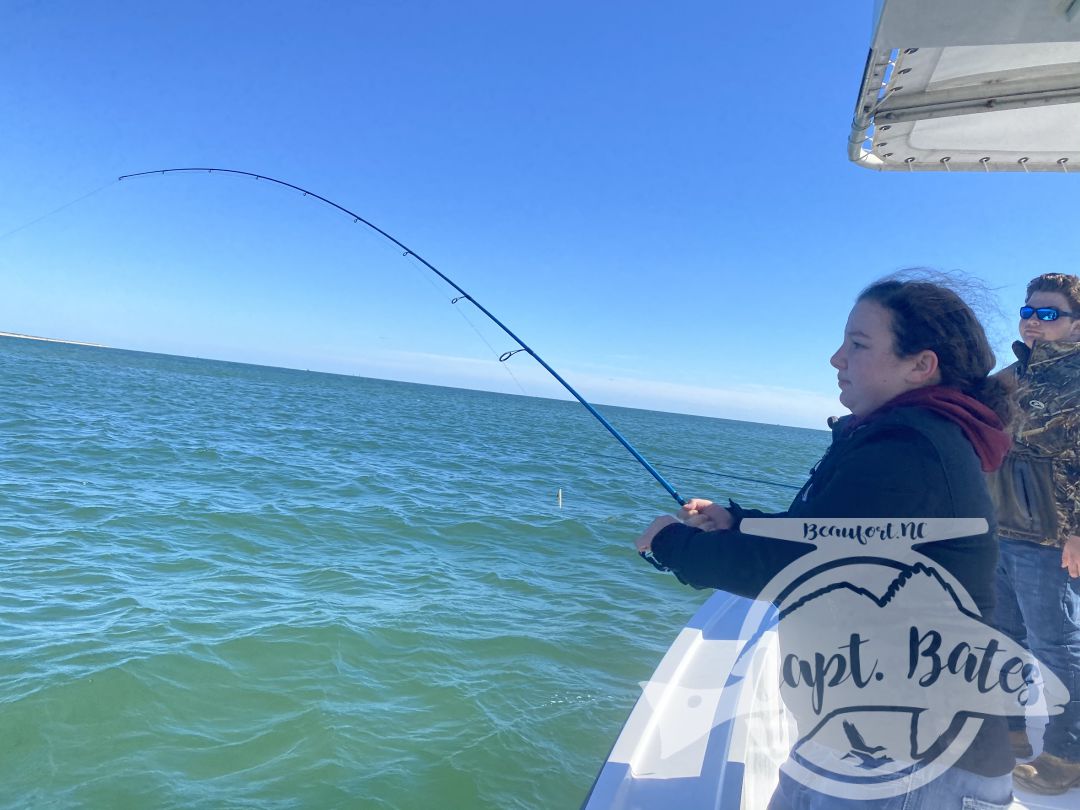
236 586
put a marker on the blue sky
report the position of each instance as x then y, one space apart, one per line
656 197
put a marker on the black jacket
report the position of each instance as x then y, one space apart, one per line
907 463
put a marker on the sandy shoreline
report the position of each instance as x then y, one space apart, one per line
51 340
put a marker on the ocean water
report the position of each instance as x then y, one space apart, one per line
236 586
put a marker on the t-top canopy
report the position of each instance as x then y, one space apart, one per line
971 85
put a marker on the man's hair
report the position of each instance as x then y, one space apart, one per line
1063 283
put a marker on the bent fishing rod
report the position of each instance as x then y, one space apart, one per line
410 252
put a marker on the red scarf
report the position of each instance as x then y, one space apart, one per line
980 424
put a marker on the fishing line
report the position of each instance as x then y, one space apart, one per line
460 311
712 473
420 270
389 248
6 234
528 714
736 477
410 252
501 357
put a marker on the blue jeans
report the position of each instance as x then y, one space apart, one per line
1038 604
955 789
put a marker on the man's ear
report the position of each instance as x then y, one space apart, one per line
1074 330
924 369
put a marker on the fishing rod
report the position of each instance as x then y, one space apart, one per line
410 252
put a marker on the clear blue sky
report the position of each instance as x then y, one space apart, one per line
655 196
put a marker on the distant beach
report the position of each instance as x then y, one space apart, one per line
51 340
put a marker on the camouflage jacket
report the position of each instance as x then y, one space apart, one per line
1037 490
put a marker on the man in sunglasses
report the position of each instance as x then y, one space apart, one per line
1037 495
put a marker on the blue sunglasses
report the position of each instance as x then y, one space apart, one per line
1044 313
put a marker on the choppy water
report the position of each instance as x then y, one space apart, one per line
235 586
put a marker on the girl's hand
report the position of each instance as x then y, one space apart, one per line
644 543
705 515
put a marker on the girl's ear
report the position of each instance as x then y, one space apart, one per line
924 369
